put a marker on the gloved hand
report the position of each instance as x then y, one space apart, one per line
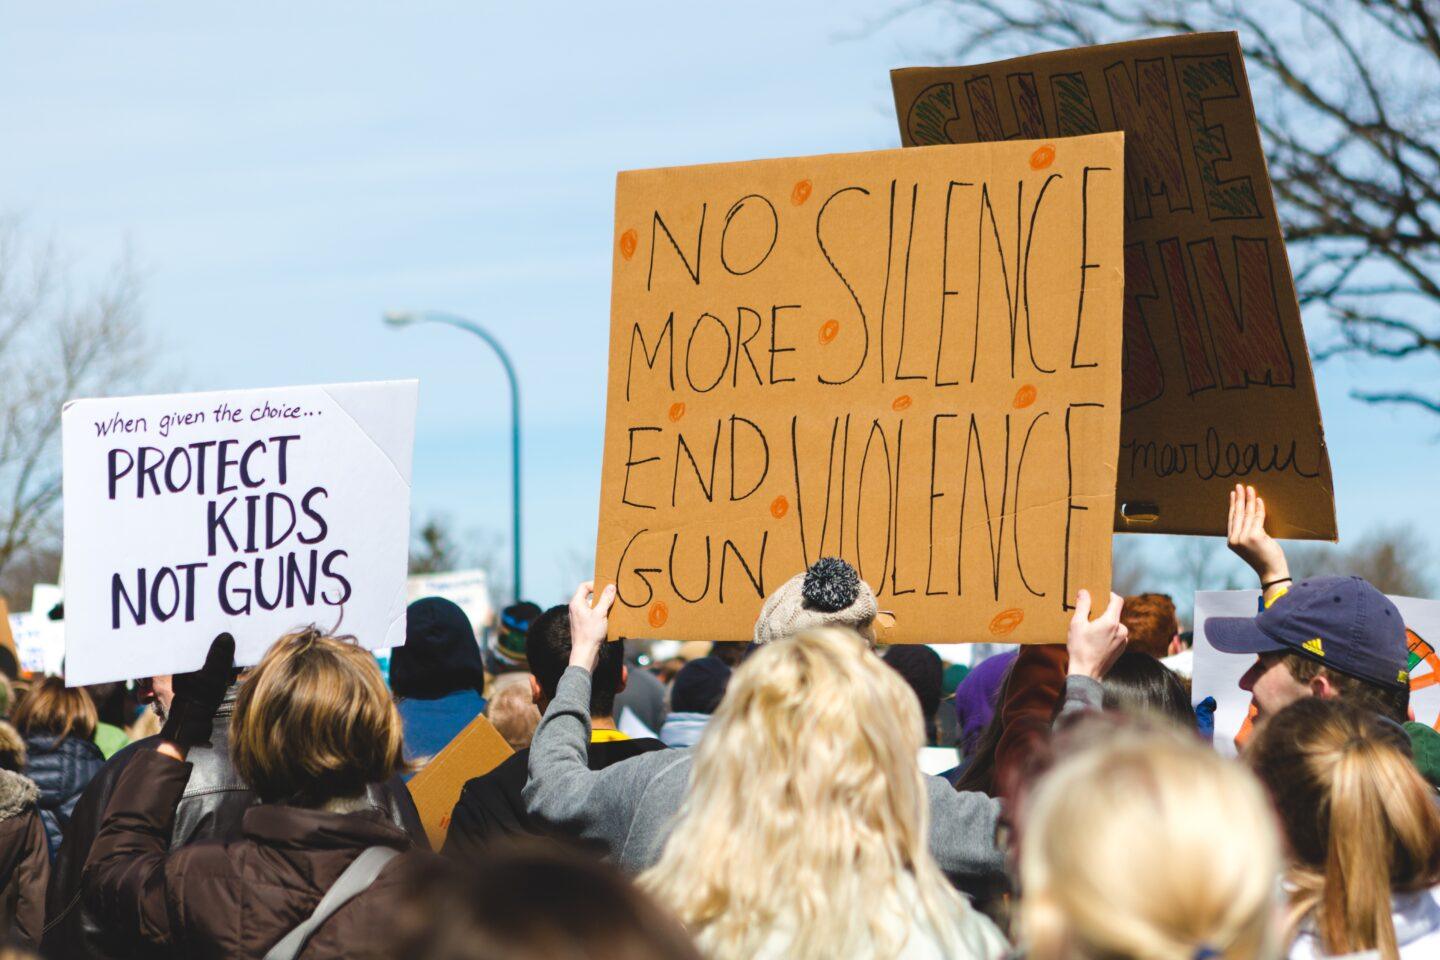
198 695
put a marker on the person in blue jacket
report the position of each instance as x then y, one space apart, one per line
438 676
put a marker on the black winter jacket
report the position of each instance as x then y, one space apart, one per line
62 768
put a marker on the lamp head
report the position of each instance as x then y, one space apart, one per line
399 318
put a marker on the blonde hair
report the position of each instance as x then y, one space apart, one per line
1360 820
513 712
807 809
49 707
315 722
1149 846
12 749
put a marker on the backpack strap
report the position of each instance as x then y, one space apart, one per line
354 880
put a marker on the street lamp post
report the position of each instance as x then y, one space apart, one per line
405 318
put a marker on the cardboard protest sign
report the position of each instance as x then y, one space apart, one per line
1218 385
906 358
1218 674
252 511
474 752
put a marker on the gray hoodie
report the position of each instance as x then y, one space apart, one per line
630 806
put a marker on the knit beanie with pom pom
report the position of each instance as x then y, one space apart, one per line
829 594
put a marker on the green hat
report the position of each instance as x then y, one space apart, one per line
954 673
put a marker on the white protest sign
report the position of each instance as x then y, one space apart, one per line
252 511
1218 674
44 597
39 642
467 589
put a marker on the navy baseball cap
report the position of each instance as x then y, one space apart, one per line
1342 622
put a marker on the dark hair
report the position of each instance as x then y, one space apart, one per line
532 903
730 652
1138 683
110 703
1392 702
700 686
924 672
548 648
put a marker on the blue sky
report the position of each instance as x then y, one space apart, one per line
286 172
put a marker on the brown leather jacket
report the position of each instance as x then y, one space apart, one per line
24 860
211 808
236 899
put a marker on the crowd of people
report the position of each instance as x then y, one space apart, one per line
778 808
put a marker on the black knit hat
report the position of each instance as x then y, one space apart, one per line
440 655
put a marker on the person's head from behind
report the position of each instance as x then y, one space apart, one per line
49 708
1360 821
505 652
511 708
314 722
923 672
700 686
730 652
829 593
806 801
1153 626
110 703
1328 637
440 655
533 903
548 648
1147 845
1140 684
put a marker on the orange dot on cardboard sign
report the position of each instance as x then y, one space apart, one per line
658 614
779 507
801 193
1025 396
1042 157
901 402
1006 621
677 410
829 330
629 240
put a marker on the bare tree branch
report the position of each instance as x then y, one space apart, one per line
55 345
1348 103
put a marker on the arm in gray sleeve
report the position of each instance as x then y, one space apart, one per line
1081 694
562 790
962 824
962 834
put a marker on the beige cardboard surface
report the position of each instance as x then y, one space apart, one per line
1218 386
475 751
907 358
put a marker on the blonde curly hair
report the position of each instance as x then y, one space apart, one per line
805 831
